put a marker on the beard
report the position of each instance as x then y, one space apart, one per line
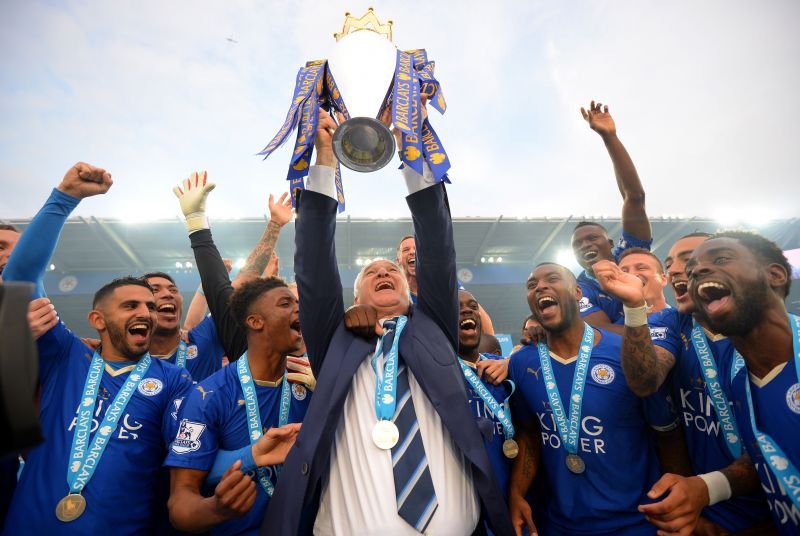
119 342
748 310
569 312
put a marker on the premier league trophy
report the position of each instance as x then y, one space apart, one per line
364 75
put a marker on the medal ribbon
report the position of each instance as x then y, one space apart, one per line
782 467
386 379
83 461
254 425
568 430
722 408
501 412
180 359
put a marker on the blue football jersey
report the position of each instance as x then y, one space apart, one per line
777 413
615 444
121 495
594 297
491 428
214 417
708 449
204 351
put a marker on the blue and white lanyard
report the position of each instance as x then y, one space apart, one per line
180 359
254 426
568 430
782 467
386 379
722 407
503 413
84 458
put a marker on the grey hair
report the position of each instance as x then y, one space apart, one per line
364 269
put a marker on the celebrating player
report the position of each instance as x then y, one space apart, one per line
596 449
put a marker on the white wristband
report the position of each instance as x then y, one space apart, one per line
719 489
197 221
635 316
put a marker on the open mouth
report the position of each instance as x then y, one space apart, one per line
2 267
384 285
412 261
547 302
295 326
714 295
468 325
680 288
139 331
168 308
590 255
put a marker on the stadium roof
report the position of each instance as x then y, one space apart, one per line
94 250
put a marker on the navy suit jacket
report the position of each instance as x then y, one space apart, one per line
427 345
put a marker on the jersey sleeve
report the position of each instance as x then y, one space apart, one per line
54 348
665 331
196 440
628 241
209 345
659 410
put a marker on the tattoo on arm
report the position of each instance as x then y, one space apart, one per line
742 476
525 465
259 257
644 365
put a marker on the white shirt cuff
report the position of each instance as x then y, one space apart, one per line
322 179
416 182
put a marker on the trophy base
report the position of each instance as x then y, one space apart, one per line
363 144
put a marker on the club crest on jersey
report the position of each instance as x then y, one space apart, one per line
793 398
584 304
191 351
658 334
602 374
188 437
299 391
150 386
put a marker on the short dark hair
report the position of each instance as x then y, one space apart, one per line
563 268
586 223
527 319
489 344
642 251
8 227
108 289
150 275
764 249
403 240
244 297
695 234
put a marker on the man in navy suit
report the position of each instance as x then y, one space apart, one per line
429 473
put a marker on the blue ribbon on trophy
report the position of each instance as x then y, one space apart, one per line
429 85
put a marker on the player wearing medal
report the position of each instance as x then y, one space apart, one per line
590 430
388 445
725 490
590 240
738 282
231 409
106 415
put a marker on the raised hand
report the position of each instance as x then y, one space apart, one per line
235 495
280 211
273 447
324 138
302 372
85 180
192 194
362 320
624 286
41 317
599 119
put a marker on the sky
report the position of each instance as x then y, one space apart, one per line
704 95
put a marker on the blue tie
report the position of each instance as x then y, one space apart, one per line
416 498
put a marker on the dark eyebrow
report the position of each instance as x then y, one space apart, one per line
723 249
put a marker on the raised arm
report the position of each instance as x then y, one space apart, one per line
35 247
199 306
319 284
280 213
645 366
634 215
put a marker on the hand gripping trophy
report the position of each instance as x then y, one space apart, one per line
364 75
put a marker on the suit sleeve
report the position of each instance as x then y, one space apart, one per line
437 287
317 274
218 290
